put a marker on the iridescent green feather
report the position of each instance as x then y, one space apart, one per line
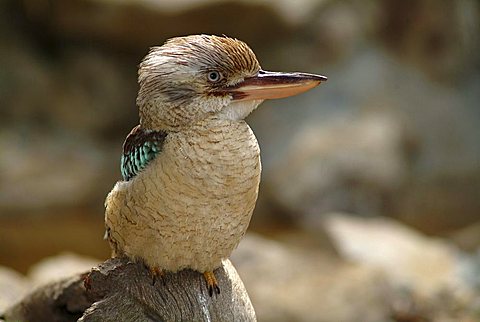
136 160
139 149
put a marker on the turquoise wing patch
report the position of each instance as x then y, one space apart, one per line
139 149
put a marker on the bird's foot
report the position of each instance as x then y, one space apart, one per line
156 273
211 283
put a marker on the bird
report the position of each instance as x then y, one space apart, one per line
191 168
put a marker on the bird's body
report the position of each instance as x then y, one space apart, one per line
190 207
191 169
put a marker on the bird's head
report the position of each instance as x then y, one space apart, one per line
192 78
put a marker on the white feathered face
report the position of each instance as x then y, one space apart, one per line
193 77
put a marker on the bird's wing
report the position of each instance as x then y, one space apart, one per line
140 147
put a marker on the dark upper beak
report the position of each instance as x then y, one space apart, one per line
269 85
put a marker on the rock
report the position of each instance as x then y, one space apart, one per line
467 238
58 267
58 123
340 29
430 274
136 25
351 165
442 203
294 284
427 157
437 37
13 286
42 171
95 93
408 258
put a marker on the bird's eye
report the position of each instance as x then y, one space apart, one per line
214 76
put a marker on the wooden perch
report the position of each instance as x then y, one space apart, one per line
120 290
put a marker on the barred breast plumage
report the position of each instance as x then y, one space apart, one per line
190 206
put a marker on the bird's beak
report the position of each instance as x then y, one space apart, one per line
270 85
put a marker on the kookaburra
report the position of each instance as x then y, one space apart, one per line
191 168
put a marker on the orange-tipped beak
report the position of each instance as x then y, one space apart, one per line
270 85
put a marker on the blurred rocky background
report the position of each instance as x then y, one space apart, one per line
370 200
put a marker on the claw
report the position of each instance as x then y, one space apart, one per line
155 274
212 285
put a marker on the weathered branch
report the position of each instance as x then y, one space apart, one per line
61 301
120 290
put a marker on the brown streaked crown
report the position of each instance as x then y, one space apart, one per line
224 53
205 52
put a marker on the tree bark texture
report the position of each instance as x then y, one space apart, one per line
121 290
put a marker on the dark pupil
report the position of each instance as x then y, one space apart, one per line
213 76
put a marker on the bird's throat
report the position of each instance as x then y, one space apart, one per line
237 111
